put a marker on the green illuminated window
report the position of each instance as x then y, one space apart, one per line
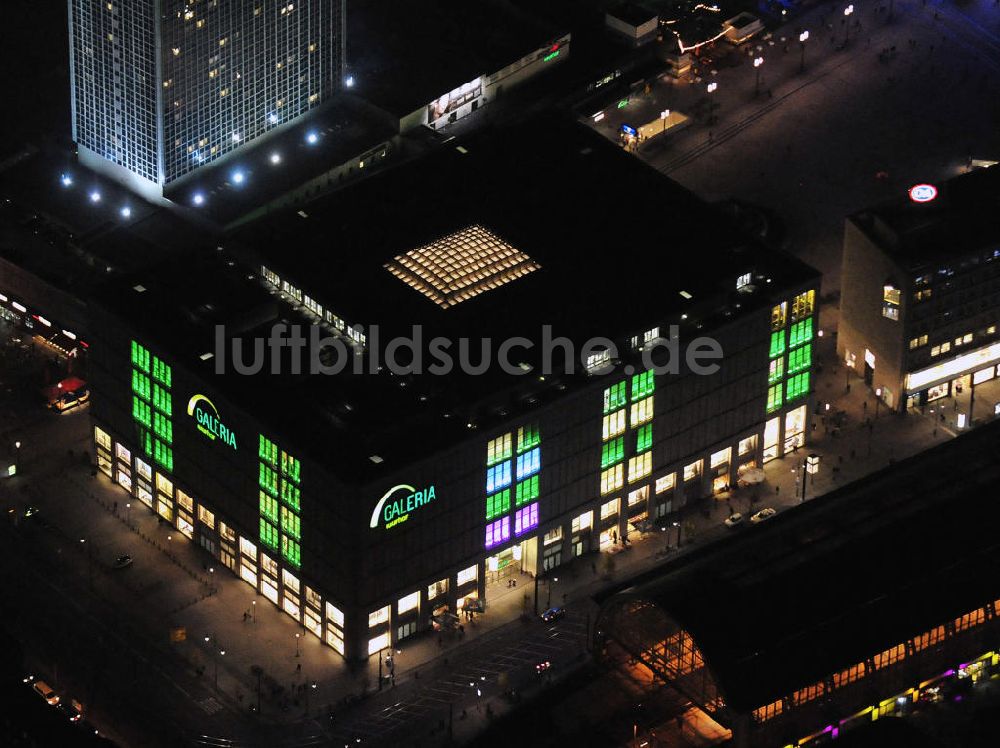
268 506
497 504
528 437
290 495
140 384
776 370
163 454
290 467
644 438
290 523
773 398
161 372
163 428
614 397
526 491
642 384
612 452
802 332
162 400
777 343
268 534
800 358
797 386
268 479
146 441
141 411
140 357
267 451
290 550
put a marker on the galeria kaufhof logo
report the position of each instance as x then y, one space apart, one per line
396 504
206 415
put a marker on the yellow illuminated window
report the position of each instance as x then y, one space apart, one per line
640 466
614 423
642 411
612 479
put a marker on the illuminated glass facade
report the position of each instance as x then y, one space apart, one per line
280 497
790 353
152 405
628 437
513 463
161 87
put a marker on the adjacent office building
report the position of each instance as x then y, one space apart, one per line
371 504
920 302
161 87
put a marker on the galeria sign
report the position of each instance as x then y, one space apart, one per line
396 504
206 414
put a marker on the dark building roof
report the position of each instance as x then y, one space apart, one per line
407 53
615 242
961 219
844 577
631 13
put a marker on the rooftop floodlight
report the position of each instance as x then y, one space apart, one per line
126 211
67 180
238 177
275 158
198 198
312 137
95 197
349 81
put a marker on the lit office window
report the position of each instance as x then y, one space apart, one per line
583 522
777 343
377 617
498 477
640 466
529 463
527 438
644 438
526 491
408 603
610 508
665 483
642 411
891 297
467 575
776 370
613 424
774 399
800 358
803 305
206 517
721 457
268 534
779 315
379 642
614 397
526 519
498 449
643 384
497 532
693 470
291 550
612 451
612 479
797 386
267 451
497 504
290 523
801 332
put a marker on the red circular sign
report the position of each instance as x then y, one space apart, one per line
923 193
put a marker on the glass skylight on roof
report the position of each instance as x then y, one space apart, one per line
461 265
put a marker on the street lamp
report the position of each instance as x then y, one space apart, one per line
878 399
253 607
711 88
847 22
548 599
128 513
678 526
803 37
222 653
757 62
17 455
810 466
297 651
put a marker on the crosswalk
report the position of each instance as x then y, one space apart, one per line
461 686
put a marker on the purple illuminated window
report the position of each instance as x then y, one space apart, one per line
526 519
497 532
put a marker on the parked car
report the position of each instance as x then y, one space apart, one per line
71 399
734 520
553 614
44 690
72 709
765 513
123 561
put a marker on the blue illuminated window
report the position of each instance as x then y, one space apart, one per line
529 463
498 477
